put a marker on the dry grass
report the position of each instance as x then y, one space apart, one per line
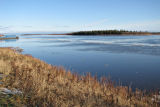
44 85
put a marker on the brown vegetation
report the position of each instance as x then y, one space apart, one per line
1 35
44 85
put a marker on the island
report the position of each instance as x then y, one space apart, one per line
113 32
104 33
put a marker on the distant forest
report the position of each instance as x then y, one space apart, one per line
112 32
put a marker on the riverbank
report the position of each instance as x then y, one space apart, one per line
9 38
1 35
43 85
4 37
43 34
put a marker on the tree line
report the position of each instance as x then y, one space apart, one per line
106 32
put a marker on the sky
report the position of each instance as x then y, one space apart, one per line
78 15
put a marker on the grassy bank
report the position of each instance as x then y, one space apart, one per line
44 85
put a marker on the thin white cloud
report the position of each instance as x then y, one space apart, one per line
88 26
153 25
4 29
27 26
96 23
150 25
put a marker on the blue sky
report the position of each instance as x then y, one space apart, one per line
75 15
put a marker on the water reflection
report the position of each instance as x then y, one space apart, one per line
131 59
